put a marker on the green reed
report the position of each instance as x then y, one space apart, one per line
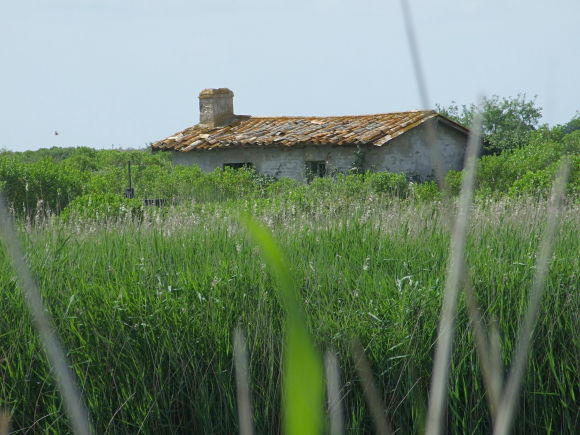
146 310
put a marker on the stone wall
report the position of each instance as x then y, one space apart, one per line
410 153
278 162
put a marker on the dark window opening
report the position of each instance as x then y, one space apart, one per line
315 169
238 165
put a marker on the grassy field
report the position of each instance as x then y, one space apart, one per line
146 310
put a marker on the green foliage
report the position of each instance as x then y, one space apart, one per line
146 311
453 181
539 182
359 161
353 185
102 207
111 180
42 186
428 191
571 143
303 377
231 183
322 184
507 122
83 159
573 125
281 186
55 154
527 169
534 183
389 182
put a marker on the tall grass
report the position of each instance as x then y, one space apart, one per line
146 310
73 401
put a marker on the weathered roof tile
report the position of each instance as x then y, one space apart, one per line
248 131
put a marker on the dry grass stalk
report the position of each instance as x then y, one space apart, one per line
509 400
370 390
243 384
73 401
335 412
440 373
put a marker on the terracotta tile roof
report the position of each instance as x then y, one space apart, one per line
246 131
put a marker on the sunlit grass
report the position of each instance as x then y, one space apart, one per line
147 311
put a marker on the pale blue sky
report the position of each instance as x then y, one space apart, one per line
127 72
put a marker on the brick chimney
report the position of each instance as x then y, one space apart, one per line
216 107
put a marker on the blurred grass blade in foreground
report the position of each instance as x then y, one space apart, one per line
243 384
303 374
455 273
370 390
509 400
434 145
4 423
487 352
335 412
65 379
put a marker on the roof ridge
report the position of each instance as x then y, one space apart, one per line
340 116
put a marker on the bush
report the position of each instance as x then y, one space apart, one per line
102 207
539 183
428 191
282 185
498 173
571 143
108 181
323 184
453 180
353 185
233 183
39 186
389 182
535 183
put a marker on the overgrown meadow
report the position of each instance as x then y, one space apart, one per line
146 308
146 299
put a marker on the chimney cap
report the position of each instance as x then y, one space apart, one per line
211 92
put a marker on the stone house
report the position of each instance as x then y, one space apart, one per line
306 146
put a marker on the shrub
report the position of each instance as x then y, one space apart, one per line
233 183
44 185
536 183
539 183
453 180
102 207
108 181
499 173
282 185
428 191
323 184
571 143
354 185
389 182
